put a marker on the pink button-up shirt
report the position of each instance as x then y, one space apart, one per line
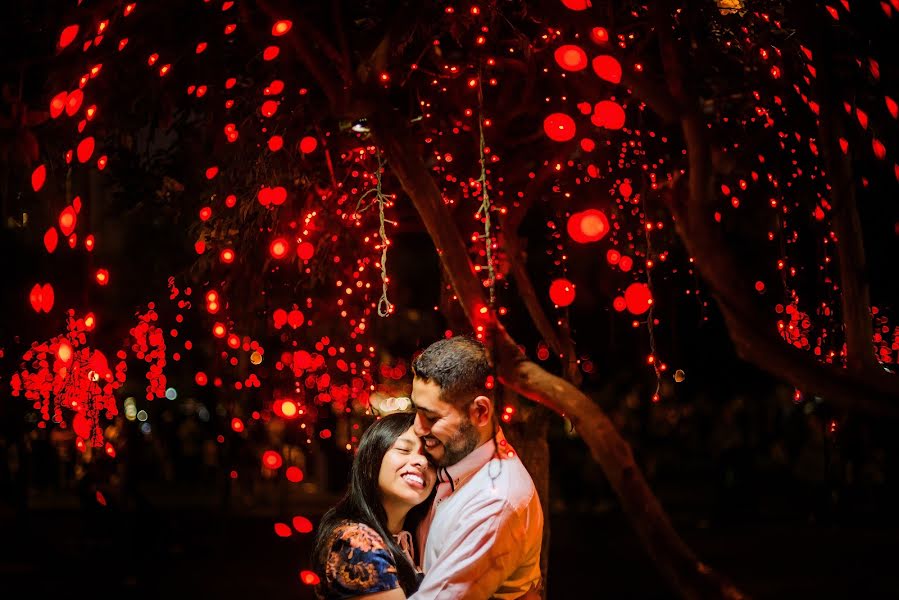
482 537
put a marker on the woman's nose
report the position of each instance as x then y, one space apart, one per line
419 459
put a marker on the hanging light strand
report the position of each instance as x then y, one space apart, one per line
649 316
485 195
385 307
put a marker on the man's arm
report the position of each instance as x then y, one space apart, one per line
482 552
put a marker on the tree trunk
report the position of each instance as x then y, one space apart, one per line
527 432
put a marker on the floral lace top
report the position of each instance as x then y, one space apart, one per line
358 563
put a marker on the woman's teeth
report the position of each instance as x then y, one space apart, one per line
414 479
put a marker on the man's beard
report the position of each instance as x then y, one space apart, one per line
460 445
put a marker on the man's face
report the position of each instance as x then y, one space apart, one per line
448 433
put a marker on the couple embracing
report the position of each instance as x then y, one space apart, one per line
439 504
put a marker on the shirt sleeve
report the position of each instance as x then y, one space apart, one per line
481 554
359 563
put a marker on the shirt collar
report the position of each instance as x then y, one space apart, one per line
477 458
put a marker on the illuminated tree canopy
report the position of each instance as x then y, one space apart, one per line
565 158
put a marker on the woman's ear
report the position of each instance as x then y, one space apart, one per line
481 411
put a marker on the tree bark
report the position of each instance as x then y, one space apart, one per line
689 577
528 435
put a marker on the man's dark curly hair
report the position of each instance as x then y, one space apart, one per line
459 365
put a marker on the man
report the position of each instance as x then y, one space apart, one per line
483 534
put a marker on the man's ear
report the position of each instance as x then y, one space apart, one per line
481 411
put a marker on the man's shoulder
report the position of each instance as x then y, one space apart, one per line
509 482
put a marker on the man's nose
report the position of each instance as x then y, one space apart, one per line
420 427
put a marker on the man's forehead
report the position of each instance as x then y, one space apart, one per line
426 395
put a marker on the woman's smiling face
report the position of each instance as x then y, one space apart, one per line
406 477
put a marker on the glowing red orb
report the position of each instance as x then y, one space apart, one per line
34 297
67 220
309 578
638 298
205 213
272 460
73 102
561 292
47 297
295 475
286 409
237 425
51 238
82 426
270 53
279 248
295 318
67 36
588 226
619 304
201 378
577 4
58 104
599 35
227 256
302 524
607 68
626 263
218 330
613 256
559 127
64 352
625 189
274 88
281 27
595 224
280 318
608 114
289 409
102 276
38 176
571 57
305 251
308 144
283 530
85 149
269 108
275 143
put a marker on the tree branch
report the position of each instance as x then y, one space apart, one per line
754 338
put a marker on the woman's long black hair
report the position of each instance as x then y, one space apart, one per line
362 501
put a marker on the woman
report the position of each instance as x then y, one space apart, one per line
363 547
